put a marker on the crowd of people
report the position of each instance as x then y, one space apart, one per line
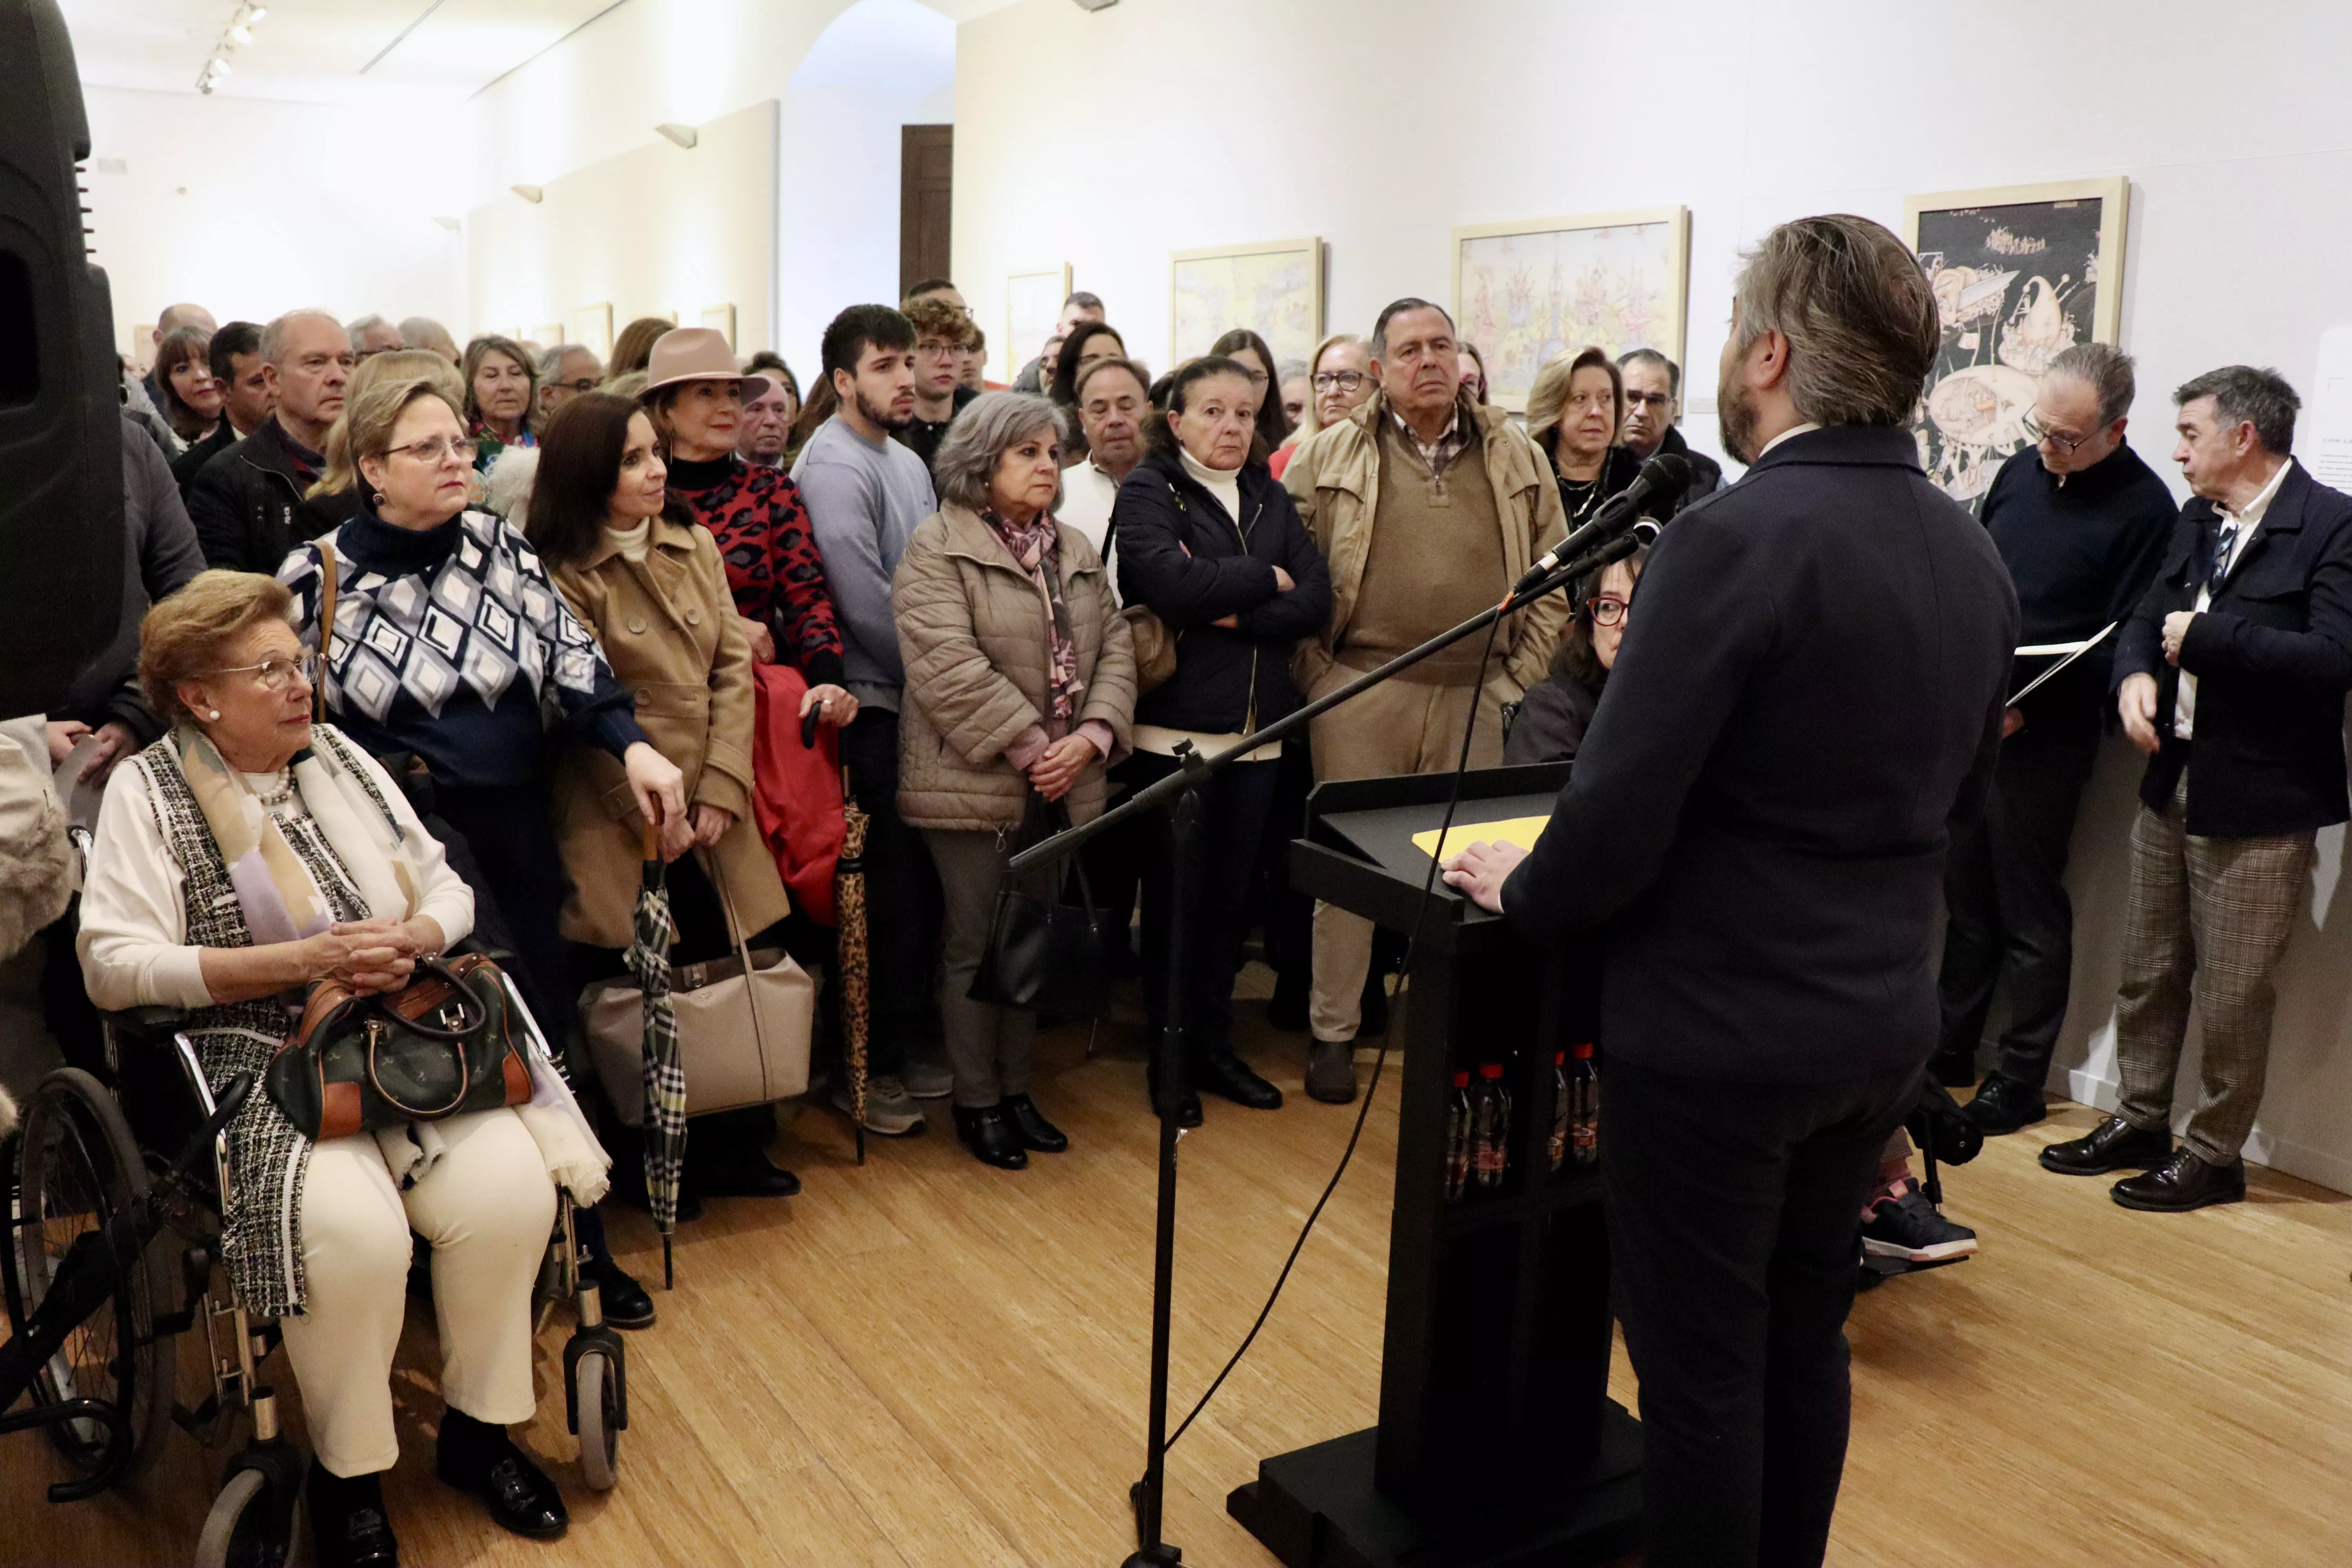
546 602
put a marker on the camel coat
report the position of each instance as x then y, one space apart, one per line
668 625
973 631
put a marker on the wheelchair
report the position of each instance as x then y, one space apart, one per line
112 1256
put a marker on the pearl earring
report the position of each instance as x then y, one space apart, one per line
213 713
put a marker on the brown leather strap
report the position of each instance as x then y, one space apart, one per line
326 623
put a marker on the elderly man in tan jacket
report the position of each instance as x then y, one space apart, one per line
1428 507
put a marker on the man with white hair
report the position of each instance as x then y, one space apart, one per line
565 372
248 503
373 335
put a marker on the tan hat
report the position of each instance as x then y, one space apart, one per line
693 353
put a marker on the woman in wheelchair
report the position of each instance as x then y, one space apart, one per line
240 859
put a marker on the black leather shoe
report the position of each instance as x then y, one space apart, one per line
1953 1069
2005 1104
988 1131
1030 1125
477 1457
622 1300
754 1179
347 1527
1222 1072
2114 1145
1331 1071
2183 1182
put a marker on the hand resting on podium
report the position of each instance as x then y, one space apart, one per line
1481 871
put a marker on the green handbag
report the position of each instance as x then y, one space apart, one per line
441 1046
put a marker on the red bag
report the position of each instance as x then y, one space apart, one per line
796 791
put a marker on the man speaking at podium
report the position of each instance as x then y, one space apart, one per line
1812 689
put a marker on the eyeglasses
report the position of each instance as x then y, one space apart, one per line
2040 432
276 674
1340 380
938 350
1607 610
433 449
585 384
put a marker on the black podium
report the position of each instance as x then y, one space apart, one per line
1498 1445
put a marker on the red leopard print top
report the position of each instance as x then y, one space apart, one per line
773 565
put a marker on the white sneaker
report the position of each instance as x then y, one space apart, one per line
927 1078
889 1109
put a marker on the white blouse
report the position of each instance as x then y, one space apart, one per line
134 927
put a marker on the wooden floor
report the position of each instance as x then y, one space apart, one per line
927 1363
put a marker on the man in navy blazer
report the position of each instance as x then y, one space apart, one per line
2230 675
1812 690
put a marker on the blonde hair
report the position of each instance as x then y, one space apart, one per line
1547 399
341 475
185 636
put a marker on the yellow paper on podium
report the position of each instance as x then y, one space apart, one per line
1522 831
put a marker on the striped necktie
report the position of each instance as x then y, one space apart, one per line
2225 539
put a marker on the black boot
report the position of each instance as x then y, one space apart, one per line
1331 1071
622 1300
347 1527
989 1132
478 1458
1219 1071
1030 1125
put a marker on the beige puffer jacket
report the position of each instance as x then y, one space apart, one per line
972 632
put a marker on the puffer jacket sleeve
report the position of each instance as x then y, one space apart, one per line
975 708
1156 569
726 780
1307 609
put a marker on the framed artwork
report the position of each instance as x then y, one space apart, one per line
548 335
1032 305
1276 289
720 319
592 329
2020 273
1525 293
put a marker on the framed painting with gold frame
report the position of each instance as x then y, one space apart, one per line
720 319
1032 304
592 329
1525 293
2022 273
1274 289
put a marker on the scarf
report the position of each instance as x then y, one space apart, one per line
1035 545
278 893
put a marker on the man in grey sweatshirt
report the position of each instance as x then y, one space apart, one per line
865 494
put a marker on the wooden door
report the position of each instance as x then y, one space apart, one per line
925 204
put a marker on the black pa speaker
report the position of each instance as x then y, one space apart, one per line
61 531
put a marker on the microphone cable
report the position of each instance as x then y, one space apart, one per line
1355 1134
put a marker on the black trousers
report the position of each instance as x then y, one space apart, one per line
517 863
1234 807
2005 890
1289 916
1733 1212
902 899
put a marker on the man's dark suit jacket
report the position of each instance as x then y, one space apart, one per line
1809 689
2273 658
248 506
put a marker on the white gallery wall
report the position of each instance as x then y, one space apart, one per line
1108 140
251 208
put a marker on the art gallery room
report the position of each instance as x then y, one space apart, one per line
1301 1271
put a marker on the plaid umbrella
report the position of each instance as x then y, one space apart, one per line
849 907
664 1124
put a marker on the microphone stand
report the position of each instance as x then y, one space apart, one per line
1182 788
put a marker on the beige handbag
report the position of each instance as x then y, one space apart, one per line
743 1028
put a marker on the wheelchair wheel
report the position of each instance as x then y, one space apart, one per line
249 1526
77 1168
600 1432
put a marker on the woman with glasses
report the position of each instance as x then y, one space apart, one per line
501 390
243 858
1552 717
449 644
1248 349
1574 412
1339 379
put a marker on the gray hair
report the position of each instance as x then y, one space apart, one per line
424 333
2106 370
1380 344
273 336
1651 356
363 323
987 429
1858 313
1292 370
2243 395
552 359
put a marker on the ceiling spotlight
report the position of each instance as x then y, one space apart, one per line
258 14
532 194
1097 5
241 33
219 67
683 135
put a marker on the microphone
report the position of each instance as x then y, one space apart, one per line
1667 471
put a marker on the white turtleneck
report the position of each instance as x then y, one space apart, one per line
1225 484
631 543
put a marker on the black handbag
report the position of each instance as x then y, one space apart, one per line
441 1046
1045 955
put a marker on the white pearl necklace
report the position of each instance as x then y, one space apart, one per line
281 795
